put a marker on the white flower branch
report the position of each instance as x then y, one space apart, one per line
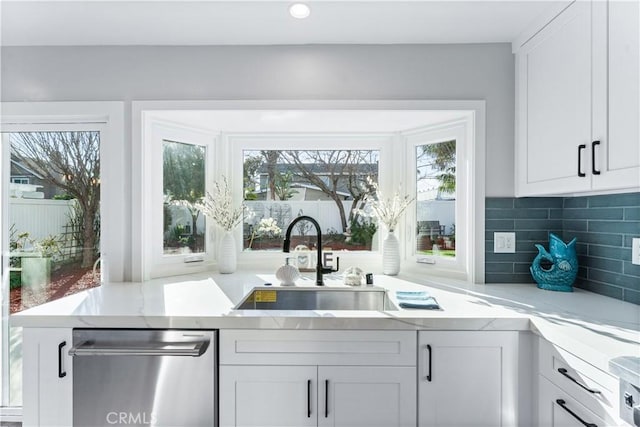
219 207
386 209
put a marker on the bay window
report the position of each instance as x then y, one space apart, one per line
283 164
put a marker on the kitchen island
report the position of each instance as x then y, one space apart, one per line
582 325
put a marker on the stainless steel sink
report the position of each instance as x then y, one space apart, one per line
375 299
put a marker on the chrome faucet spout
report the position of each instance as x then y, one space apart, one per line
286 245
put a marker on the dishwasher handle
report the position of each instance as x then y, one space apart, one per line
89 348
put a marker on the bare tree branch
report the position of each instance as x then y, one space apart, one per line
333 171
70 161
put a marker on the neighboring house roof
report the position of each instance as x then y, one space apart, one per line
316 188
307 186
322 168
26 169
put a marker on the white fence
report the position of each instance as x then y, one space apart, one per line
39 217
324 211
443 211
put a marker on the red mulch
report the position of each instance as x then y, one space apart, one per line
67 280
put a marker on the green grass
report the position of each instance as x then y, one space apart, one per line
442 252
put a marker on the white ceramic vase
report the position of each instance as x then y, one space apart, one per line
391 255
227 257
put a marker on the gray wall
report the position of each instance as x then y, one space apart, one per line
603 226
316 72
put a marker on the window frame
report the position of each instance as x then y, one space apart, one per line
476 109
20 180
109 115
158 264
108 119
240 142
459 131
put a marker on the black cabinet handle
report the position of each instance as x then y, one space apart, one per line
580 148
594 171
583 422
429 363
61 373
308 398
590 390
326 398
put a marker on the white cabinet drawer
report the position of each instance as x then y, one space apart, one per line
305 347
593 388
558 409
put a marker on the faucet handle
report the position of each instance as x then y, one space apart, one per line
327 270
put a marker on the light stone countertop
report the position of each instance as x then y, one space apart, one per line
594 327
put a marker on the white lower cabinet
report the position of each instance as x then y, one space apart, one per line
306 378
556 408
47 384
317 378
468 379
296 396
268 396
572 392
383 396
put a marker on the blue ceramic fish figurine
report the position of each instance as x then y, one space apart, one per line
564 265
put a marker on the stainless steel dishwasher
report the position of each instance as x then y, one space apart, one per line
163 378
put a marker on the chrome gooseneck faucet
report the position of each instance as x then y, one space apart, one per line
320 270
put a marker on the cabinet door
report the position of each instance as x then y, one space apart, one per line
47 377
268 396
370 396
556 408
467 379
554 93
617 158
594 389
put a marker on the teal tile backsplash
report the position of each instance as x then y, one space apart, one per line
604 226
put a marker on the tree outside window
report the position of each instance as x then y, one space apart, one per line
183 176
435 206
327 184
54 215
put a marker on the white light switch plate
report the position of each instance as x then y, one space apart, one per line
635 250
504 242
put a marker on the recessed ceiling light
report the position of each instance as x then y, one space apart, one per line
299 10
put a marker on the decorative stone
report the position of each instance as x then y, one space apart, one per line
354 276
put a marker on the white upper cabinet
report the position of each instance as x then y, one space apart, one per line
619 157
577 102
554 70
